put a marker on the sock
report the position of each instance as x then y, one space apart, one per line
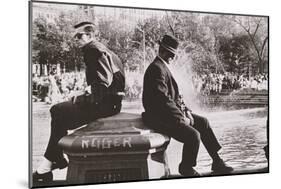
45 166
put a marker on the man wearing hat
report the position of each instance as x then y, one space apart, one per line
106 83
164 113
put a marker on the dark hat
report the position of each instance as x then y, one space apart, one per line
170 43
84 27
83 24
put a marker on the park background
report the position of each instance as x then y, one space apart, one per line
19 99
217 52
219 57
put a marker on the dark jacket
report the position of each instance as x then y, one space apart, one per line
104 71
160 96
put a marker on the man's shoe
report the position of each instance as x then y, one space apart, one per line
48 177
42 178
188 172
221 167
61 164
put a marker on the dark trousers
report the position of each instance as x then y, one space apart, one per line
68 116
190 136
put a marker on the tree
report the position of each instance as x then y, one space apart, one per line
46 41
145 38
236 54
257 30
54 44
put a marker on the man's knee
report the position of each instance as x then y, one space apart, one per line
195 136
206 122
201 123
58 121
54 110
191 135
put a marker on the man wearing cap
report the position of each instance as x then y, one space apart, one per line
106 83
164 112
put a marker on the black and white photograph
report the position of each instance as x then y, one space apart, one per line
124 94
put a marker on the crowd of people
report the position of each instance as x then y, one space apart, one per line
216 83
133 89
57 88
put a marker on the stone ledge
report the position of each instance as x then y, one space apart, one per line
124 132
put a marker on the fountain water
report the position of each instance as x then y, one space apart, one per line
182 72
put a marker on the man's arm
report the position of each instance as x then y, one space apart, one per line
159 90
184 109
99 67
98 74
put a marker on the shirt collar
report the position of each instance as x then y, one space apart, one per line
166 63
87 45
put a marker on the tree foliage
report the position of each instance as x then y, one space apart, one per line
256 29
212 43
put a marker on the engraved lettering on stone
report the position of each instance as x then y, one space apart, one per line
98 143
85 144
116 142
127 142
106 143
95 143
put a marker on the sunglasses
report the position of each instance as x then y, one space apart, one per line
79 35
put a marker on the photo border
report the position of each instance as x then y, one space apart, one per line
30 103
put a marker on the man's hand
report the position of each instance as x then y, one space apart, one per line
77 98
73 99
88 90
190 117
187 120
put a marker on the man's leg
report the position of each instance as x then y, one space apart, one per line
190 137
207 135
211 143
65 116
